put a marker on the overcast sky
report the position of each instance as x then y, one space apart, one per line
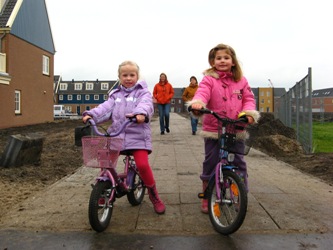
276 40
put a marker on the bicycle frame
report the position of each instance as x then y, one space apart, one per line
110 174
224 163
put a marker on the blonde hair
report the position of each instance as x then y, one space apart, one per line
236 69
129 63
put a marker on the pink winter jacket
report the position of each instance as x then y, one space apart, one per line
220 93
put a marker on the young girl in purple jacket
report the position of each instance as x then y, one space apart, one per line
131 97
224 90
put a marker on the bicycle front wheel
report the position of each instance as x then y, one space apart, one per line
100 210
228 213
137 193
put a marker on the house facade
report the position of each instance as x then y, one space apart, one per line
80 95
26 63
268 98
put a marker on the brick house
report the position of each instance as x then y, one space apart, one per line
26 63
80 95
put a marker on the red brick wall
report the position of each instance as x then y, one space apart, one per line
24 65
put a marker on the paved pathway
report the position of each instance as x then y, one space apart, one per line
281 199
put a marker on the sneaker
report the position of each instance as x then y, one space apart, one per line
167 130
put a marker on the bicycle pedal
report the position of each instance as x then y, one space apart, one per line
201 195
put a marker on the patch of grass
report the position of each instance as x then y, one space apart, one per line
322 134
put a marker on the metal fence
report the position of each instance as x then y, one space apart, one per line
295 111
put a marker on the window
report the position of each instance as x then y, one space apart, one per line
105 97
105 86
61 97
172 101
78 86
262 100
46 65
78 97
89 86
17 102
87 97
70 98
268 93
180 101
262 93
96 97
63 86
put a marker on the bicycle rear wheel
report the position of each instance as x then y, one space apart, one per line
227 215
100 210
137 193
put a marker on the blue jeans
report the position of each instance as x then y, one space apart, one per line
194 124
164 114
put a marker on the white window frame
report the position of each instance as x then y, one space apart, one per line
89 86
87 97
63 86
78 86
104 86
96 97
78 97
105 97
70 97
17 102
61 97
46 65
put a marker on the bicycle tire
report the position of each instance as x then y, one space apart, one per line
137 193
228 215
100 211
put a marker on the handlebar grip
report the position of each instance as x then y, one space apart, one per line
243 119
203 110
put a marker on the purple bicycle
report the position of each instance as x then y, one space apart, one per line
226 192
102 150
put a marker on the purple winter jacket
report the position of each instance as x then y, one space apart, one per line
137 100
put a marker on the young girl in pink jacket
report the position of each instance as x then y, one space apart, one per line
224 90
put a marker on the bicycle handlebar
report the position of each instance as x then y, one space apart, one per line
94 126
242 119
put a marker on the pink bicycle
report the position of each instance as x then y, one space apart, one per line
102 151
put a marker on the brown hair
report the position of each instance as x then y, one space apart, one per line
166 78
193 77
236 69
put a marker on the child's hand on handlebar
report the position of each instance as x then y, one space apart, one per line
249 118
196 106
86 118
140 118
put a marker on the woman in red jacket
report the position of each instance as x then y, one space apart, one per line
163 93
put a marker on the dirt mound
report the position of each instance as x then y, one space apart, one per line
272 137
275 139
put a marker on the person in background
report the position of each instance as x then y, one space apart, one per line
187 96
131 97
226 91
163 93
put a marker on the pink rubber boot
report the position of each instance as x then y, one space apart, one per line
159 206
